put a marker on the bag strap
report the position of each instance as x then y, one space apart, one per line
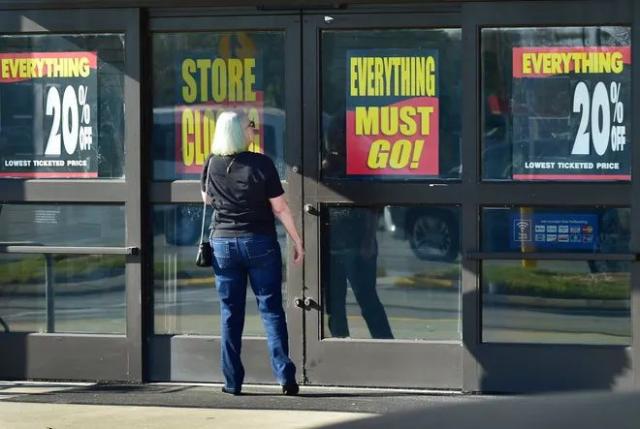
204 204
206 190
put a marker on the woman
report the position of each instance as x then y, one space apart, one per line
247 196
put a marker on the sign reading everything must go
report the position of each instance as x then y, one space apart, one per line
48 115
392 112
571 113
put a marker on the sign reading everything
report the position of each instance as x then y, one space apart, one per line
392 112
570 109
48 115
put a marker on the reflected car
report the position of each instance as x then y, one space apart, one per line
433 232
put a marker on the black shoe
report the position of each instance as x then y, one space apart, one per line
290 389
234 392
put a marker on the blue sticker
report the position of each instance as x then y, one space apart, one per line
554 231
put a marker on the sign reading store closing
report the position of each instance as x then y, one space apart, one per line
210 83
392 112
571 113
48 115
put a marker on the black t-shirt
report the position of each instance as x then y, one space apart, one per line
241 186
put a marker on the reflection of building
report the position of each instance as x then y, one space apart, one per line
103 267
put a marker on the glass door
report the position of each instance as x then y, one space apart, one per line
202 66
383 229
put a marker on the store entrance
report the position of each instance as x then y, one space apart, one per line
383 270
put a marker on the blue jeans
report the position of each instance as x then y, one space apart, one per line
259 258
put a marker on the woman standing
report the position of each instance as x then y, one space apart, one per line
247 196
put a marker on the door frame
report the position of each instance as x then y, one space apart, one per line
363 362
85 356
522 367
196 357
477 366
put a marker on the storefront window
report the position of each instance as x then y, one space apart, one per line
391 273
198 75
560 302
185 297
62 106
391 104
556 103
546 229
78 225
62 293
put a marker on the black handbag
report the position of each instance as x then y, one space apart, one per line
204 258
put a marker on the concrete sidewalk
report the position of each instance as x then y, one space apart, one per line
65 416
34 405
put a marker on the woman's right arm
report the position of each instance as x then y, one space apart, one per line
282 211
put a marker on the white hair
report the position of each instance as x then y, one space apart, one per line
229 137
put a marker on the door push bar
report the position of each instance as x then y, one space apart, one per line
34 248
48 252
570 256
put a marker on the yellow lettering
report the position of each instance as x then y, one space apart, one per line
22 72
208 130
389 120
605 62
187 132
379 70
353 76
431 76
617 63
85 68
425 119
546 64
189 90
556 61
387 74
235 79
203 67
256 144
370 77
249 79
378 154
400 154
367 120
526 63
219 78
408 126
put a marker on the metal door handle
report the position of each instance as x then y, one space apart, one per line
306 304
309 303
310 209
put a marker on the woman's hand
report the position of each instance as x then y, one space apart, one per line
281 211
298 252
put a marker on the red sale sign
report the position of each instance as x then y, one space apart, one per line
393 113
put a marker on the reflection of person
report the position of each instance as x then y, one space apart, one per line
246 194
353 258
